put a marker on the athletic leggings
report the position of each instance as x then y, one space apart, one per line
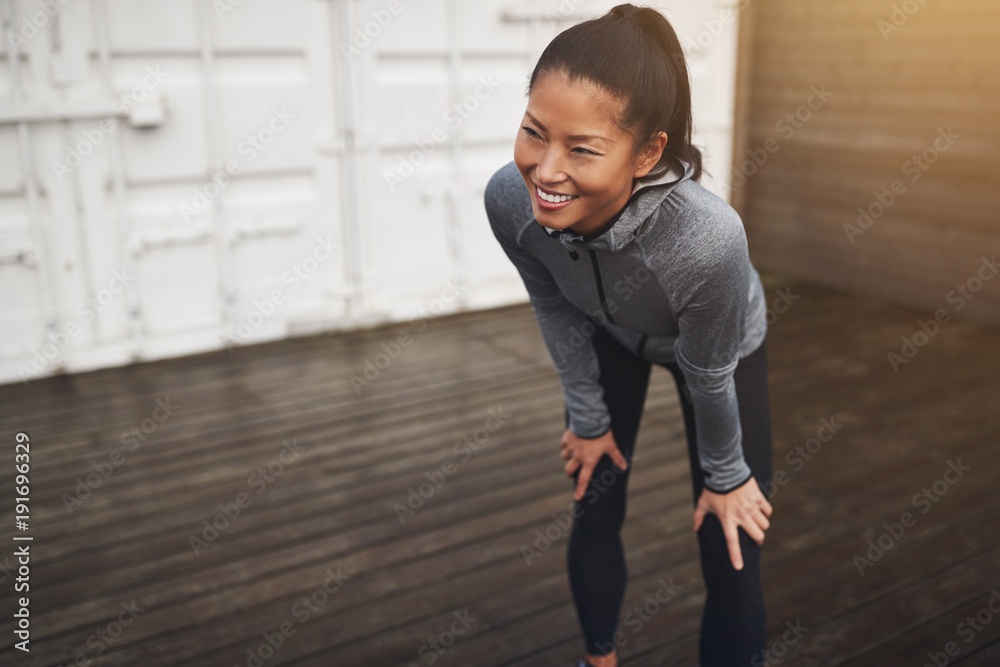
734 623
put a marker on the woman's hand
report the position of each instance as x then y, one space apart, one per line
579 452
744 506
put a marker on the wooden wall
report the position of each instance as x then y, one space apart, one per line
904 81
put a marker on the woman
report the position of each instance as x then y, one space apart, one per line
628 261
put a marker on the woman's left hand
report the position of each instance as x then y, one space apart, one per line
744 506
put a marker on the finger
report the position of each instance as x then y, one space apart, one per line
699 514
733 542
754 531
619 459
766 506
571 467
581 485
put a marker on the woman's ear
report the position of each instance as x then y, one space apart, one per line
651 154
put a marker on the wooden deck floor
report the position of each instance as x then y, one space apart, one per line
315 469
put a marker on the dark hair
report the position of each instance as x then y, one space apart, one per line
633 53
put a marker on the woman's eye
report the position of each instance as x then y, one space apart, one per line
534 135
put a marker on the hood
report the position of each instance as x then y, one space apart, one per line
619 231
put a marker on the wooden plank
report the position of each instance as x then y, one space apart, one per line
463 549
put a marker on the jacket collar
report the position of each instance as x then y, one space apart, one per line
619 231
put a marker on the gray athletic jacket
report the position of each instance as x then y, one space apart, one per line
669 277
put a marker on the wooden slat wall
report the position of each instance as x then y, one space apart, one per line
896 79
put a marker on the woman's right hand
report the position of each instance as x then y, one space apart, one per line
585 453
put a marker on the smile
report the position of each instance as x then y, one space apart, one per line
552 202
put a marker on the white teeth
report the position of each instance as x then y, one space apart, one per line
553 199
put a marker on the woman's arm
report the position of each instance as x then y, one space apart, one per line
711 329
567 333
564 327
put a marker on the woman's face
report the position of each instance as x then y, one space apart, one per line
569 145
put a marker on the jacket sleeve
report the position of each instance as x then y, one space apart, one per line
565 328
711 327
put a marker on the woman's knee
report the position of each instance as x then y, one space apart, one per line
603 504
717 565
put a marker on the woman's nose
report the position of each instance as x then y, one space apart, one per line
550 168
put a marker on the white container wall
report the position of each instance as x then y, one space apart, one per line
178 176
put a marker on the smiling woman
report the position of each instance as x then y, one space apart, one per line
589 145
603 165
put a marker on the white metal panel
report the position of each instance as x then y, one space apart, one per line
359 88
153 26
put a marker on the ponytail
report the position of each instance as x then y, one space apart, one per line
634 54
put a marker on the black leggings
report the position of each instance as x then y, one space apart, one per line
734 623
